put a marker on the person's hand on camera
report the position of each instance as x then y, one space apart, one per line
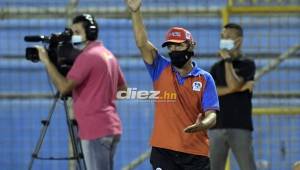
43 55
133 5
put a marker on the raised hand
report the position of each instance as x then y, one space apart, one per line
224 54
133 5
197 126
43 55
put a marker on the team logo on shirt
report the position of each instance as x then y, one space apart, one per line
197 86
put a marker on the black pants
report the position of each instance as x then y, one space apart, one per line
165 159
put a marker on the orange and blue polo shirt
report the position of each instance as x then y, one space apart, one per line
194 94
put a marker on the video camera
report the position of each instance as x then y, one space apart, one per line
59 48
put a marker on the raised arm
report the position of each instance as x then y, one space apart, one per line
148 51
233 81
226 90
63 85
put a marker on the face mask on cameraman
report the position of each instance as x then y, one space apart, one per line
78 42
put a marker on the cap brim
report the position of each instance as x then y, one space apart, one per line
171 41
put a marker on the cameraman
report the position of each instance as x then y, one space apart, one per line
94 80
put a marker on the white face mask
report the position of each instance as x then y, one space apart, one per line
76 39
226 44
78 42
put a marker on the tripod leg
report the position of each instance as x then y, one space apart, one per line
76 146
42 134
81 151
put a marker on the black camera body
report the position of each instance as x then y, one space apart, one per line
59 48
32 54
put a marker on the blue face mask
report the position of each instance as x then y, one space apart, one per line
226 44
78 42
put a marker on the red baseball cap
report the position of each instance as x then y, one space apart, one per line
177 35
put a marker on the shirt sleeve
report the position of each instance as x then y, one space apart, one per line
247 71
80 69
210 99
212 71
158 65
121 79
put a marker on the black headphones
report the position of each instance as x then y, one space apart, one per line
90 25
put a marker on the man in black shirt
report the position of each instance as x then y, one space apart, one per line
233 76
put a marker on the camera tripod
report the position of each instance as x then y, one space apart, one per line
75 142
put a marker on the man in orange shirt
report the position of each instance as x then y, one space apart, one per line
179 140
